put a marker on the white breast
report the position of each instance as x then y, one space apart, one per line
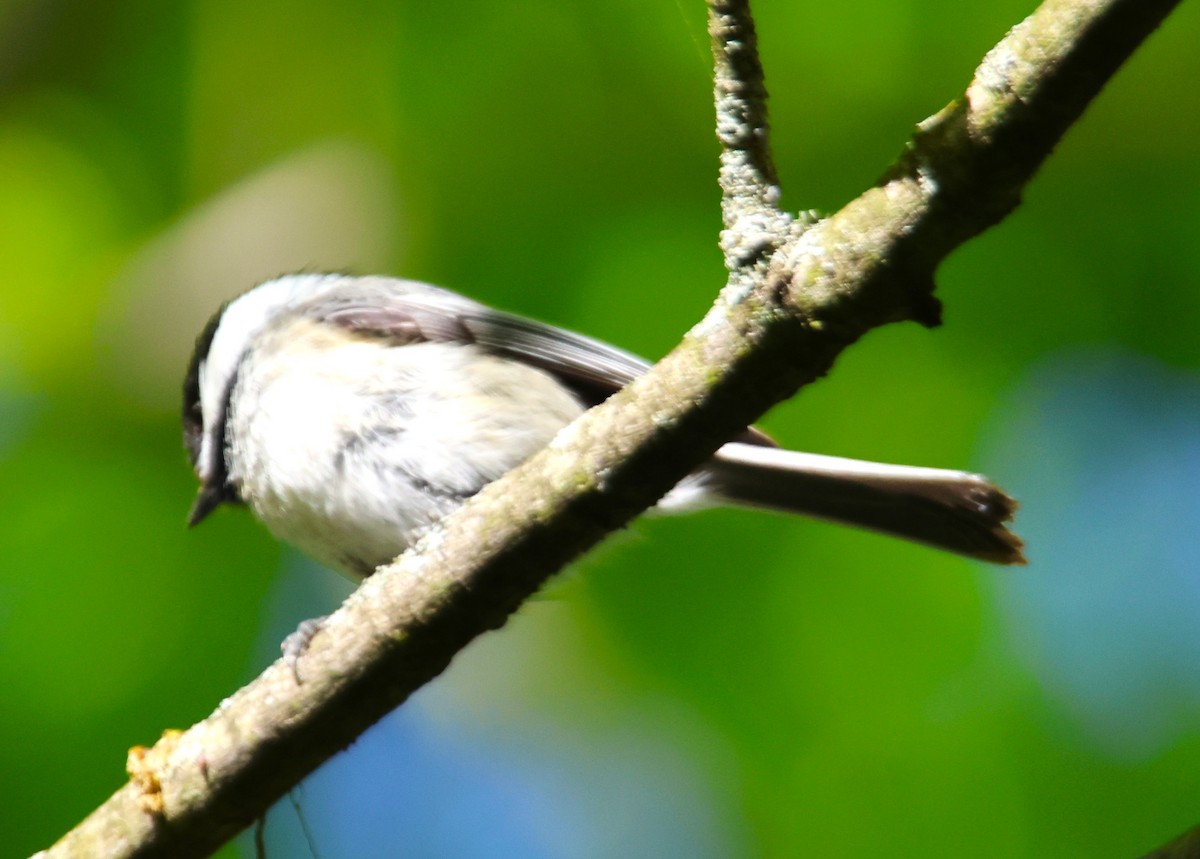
349 447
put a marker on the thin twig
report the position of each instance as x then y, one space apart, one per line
754 224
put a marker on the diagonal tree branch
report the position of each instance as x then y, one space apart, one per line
796 299
1186 846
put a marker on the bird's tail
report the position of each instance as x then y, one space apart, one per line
951 510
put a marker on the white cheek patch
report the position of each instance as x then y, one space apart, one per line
204 468
242 321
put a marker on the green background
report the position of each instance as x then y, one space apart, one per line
731 684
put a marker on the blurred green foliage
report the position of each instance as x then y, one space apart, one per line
839 694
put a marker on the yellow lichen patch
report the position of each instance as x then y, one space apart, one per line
143 765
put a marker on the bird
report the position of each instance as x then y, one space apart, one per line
352 413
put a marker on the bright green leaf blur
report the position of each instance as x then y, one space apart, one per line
823 692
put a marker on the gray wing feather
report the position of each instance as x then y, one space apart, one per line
407 311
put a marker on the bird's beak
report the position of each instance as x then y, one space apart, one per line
206 502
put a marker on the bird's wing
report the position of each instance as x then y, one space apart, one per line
409 311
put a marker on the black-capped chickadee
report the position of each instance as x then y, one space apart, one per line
352 413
